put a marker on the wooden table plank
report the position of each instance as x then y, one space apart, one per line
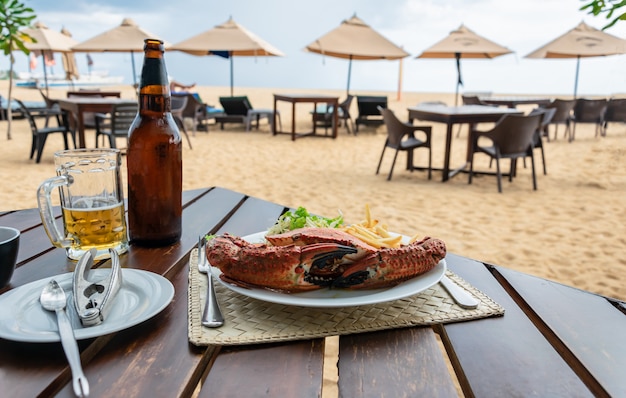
505 356
398 363
291 369
599 343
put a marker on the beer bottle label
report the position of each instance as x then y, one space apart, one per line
153 73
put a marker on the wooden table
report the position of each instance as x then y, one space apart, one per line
451 115
94 93
514 101
310 98
553 340
79 105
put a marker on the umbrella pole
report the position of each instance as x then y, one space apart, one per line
132 61
45 74
349 73
231 73
576 81
459 81
399 81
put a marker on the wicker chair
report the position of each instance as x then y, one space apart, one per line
511 138
401 137
589 111
563 115
615 112
547 115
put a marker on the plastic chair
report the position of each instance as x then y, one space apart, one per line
117 124
323 115
40 135
401 137
511 138
178 105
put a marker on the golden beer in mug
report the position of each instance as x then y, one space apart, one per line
92 203
100 228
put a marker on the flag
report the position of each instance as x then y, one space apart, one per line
49 58
33 62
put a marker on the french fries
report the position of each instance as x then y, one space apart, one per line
372 232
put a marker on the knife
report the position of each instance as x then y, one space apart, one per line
461 296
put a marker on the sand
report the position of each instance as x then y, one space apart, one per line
571 230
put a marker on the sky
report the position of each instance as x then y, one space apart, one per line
290 25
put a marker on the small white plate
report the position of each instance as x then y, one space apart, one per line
143 295
329 298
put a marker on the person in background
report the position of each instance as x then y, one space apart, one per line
179 87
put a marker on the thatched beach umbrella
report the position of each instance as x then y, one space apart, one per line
48 41
227 40
463 43
354 39
127 37
581 41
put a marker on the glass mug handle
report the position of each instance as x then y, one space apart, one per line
46 209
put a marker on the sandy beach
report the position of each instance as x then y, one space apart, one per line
570 230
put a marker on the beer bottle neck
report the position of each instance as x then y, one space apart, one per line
154 90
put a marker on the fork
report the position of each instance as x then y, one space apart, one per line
212 316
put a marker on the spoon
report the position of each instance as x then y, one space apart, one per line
53 299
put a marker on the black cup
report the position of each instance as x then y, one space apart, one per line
9 246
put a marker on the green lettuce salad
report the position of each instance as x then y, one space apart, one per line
301 218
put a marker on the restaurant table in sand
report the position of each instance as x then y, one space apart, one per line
528 336
79 105
451 115
315 99
514 101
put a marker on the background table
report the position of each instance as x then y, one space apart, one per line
294 99
79 105
451 115
513 102
93 93
553 340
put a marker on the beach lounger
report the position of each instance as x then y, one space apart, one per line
368 111
239 110
198 111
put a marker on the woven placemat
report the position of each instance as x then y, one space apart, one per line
252 321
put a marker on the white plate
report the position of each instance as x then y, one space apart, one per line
329 298
143 295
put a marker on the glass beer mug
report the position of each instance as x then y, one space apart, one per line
92 203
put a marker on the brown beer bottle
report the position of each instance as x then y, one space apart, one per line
154 158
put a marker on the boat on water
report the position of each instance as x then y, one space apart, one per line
92 79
